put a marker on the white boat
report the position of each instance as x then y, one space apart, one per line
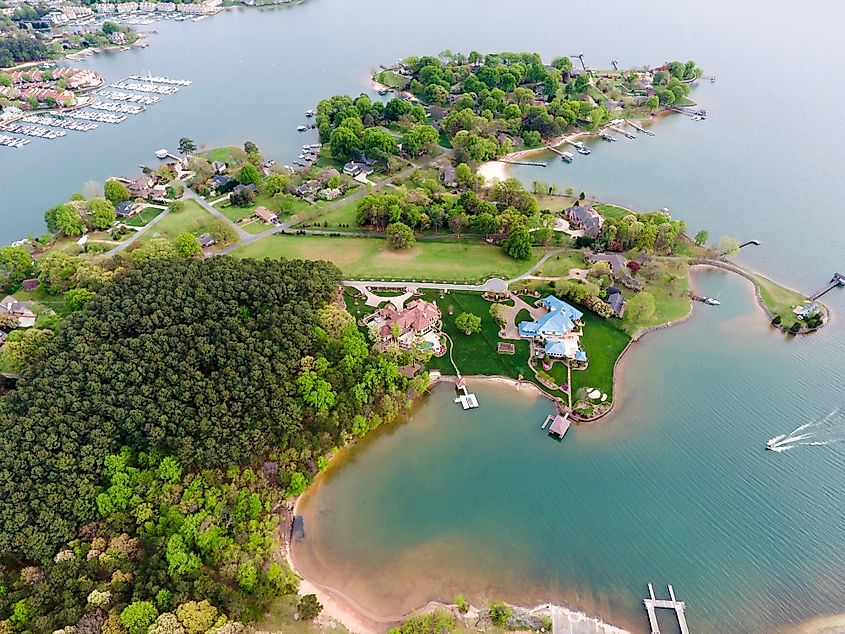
773 442
301 128
161 154
583 149
712 301
310 113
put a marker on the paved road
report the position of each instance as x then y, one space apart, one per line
129 241
191 195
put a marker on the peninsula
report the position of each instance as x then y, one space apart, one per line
127 330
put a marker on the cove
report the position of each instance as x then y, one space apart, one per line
673 487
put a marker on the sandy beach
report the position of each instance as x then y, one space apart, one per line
498 170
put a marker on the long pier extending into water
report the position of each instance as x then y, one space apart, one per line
532 163
837 280
652 605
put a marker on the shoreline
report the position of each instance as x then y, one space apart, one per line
343 609
498 169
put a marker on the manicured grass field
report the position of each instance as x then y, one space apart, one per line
779 300
192 219
555 204
476 353
341 214
614 212
141 219
392 79
560 264
369 258
603 342
223 154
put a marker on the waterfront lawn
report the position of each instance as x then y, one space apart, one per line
779 300
614 212
235 213
369 258
392 79
343 213
192 219
555 204
281 617
603 342
223 154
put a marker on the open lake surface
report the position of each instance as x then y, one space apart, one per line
674 487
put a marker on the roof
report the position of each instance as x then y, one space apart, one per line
265 214
616 302
616 261
417 316
552 303
124 208
221 179
14 307
30 284
586 218
250 187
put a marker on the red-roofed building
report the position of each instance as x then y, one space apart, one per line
418 318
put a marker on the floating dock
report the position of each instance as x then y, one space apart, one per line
531 163
652 605
466 400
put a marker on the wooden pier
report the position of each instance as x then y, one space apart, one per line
653 604
531 163
624 133
639 128
837 280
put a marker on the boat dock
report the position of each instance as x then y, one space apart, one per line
652 605
466 400
639 128
837 280
531 163
624 133
559 424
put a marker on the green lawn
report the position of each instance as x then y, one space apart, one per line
779 300
343 213
603 342
555 204
141 219
369 258
192 219
476 353
614 212
223 154
392 79
559 265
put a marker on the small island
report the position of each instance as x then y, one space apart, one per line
193 342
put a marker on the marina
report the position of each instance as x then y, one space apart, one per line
109 106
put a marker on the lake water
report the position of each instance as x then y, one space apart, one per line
675 487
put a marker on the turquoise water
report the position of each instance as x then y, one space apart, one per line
675 487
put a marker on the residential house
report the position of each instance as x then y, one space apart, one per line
808 310
141 187
165 7
617 263
308 188
117 38
586 218
219 167
352 169
21 310
418 320
207 240
126 209
250 188
30 284
448 176
615 301
556 334
219 182
265 215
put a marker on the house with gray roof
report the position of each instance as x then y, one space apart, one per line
586 218
615 301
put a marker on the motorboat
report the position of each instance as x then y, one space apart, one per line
712 301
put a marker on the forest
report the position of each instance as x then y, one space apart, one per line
151 440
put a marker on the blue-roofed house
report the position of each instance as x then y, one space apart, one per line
557 333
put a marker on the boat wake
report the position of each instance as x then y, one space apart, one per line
826 431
